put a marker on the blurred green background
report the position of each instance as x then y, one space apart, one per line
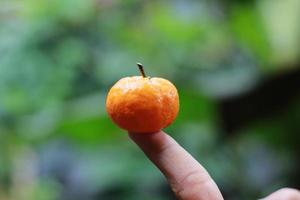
236 66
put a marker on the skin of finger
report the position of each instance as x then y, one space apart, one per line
188 179
284 194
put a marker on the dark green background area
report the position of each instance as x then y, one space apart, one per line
235 64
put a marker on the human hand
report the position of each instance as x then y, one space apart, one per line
188 179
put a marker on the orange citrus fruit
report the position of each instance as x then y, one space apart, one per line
141 104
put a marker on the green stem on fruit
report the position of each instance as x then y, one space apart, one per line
141 67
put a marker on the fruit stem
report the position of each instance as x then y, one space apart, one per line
141 68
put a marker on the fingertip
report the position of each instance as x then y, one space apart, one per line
284 193
142 136
150 142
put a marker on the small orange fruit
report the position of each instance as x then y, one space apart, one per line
141 104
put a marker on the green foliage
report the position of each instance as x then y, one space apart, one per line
248 26
59 58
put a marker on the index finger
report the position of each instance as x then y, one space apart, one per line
188 178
